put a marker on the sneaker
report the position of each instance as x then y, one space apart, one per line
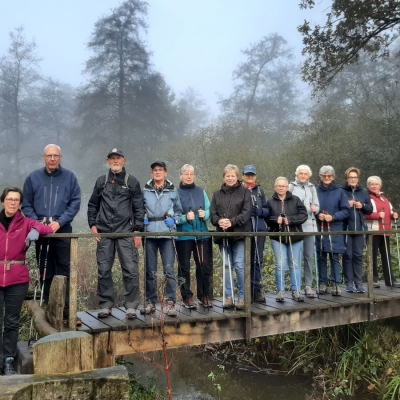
377 285
336 291
240 304
171 310
360 288
104 313
296 295
148 309
9 367
322 288
189 303
309 292
130 313
280 297
228 303
350 289
259 297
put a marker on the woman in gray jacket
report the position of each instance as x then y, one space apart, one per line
305 190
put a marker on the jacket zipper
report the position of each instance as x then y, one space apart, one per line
51 193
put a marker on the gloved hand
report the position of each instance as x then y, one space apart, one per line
170 222
146 221
256 211
33 235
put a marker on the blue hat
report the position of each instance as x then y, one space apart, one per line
249 169
115 151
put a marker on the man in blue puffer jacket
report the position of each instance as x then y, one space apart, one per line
164 210
258 214
52 195
333 210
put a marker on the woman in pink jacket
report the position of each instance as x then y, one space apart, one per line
379 220
16 234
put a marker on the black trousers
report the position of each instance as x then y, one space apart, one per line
11 299
202 254
382 243
57 253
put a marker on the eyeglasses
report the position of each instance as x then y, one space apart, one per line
352 177
55 156
188 174
281 186
12 200
327 176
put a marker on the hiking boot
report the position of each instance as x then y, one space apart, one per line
280 297
66 321
377 285
296 295
9 367
130 313
148 309
205 302
336 291
104 313
240 304
350 289
360 288
228 303
189 303
309 292
171 310
259 297
322 288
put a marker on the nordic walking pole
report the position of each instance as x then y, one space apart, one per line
230 277
315 252
387 253
280 255
37 283
223 271
332 255
397 241
293 265
144 268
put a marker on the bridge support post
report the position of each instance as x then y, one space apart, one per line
370 277
247 285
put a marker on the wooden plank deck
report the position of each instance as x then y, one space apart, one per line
201 326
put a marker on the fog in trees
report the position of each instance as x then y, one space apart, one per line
267 119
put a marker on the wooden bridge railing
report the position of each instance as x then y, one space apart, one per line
74 237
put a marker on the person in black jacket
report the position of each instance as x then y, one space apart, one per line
230 212
360 206
116 206
286 214
258 214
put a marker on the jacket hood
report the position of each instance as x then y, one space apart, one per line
230 189
168 185
297 183
332 186
358 188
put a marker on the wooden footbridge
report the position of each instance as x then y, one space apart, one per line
116 335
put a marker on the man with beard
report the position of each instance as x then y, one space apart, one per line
116 206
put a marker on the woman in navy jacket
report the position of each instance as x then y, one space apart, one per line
333 210
360 205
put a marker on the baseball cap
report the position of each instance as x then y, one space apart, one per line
249 169
115 151
159 163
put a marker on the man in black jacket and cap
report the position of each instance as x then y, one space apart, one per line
116 206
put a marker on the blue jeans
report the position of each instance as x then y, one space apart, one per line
11 299
167 253
234 253
283 258
323 268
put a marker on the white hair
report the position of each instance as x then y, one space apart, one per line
50 146
326 169
281 178
185 167
303 168
374 178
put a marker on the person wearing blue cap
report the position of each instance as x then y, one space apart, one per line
258 214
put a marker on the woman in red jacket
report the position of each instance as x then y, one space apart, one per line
380 219
16 234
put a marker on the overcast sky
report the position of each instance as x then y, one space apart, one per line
195 43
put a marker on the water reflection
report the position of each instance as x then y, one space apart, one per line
191 381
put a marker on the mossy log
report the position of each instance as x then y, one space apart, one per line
42 327
101 384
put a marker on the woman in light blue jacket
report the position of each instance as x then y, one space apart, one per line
306 192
